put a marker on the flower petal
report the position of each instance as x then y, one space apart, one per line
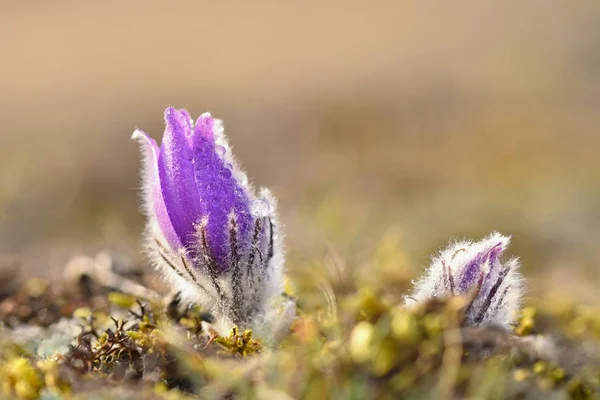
489 254
154 203
176 172
219 191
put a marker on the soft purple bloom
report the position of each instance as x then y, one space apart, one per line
196 182
216 240
475 268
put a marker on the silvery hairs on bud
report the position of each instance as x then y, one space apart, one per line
476 269
216 241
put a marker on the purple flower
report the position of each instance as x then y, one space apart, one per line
213 237
465 268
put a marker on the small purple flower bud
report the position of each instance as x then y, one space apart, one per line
475 268
212 236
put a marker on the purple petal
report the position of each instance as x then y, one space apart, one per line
493 257
495 252
190 123
220 193
474 267
153 194
471 272
176 172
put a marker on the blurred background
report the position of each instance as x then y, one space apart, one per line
408 123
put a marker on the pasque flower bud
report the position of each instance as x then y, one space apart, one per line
475 268
215 239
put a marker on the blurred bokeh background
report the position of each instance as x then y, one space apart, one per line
374 122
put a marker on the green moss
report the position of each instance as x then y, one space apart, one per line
242 344
358 341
